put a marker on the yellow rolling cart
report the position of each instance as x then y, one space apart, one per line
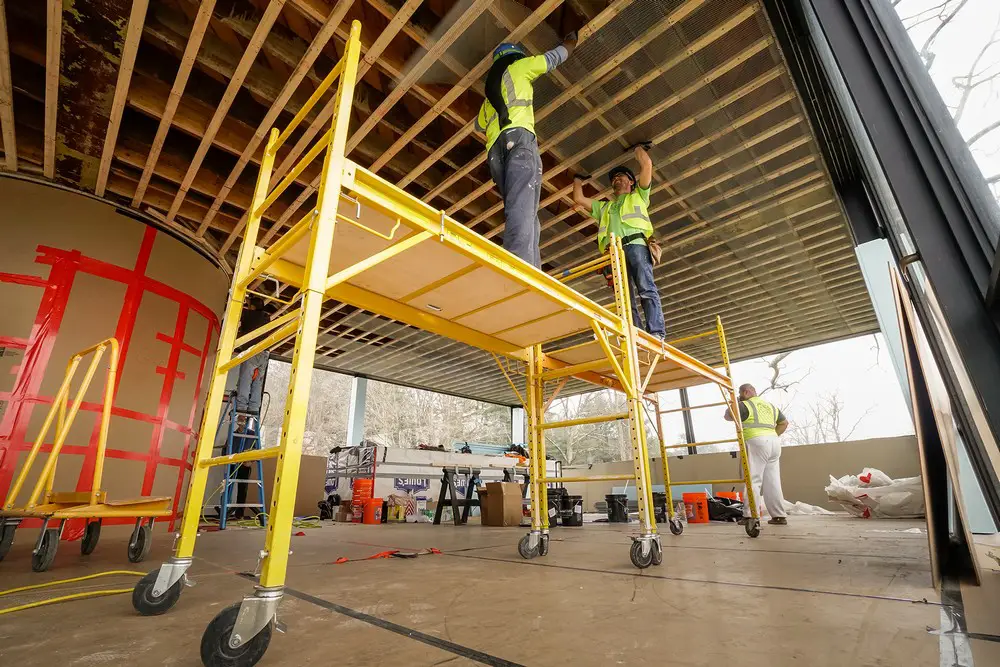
48 505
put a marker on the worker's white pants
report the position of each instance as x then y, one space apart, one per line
764 453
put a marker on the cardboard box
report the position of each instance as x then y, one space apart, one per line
502 504
483 510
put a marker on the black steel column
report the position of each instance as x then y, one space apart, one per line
688 422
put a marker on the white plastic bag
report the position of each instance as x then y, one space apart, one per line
873 494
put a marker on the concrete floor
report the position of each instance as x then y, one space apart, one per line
823 591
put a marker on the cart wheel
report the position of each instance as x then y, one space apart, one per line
215 648
635 553
543 545
41 560
522 548
138 546
753 527
146 604
90 538
676 527
657 552
6 538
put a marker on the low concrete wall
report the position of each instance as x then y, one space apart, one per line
805 470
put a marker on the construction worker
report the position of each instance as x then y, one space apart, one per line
627 217
763 422
249 392
508 119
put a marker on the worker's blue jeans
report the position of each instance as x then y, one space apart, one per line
250 383
639 266
516 168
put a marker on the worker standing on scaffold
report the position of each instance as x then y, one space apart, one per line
507 115
627 217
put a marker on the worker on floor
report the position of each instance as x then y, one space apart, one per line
763 422
627 217
508 119
249 392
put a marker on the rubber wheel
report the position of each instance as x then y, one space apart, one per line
42 560
543 545
635 553
147 605
657 552
6 538
215 649
753 527
522 548
90 538
676 527
138 549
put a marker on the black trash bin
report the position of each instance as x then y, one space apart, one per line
555 507
660 506
572 510
617 507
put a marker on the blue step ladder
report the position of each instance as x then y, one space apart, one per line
236 443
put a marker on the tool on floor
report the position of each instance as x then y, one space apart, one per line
67 598
391 553
92 506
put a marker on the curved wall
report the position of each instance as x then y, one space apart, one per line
73 271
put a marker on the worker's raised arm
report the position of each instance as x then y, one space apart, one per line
578 196
535 66
645 167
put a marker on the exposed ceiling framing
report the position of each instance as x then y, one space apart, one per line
179 95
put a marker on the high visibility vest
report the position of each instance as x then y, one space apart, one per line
762 419
518 94
634 214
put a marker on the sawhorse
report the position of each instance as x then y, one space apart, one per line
448 488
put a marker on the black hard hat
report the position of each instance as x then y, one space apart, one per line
621 169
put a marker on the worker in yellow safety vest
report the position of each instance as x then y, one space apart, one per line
627 217
762 423
507 116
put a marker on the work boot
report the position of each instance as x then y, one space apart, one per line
778 521
743 520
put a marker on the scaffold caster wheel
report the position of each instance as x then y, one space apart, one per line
526 552
753 527
6 538
42 559
146 604
138 546
216 650
676 527
657 552
543 545
90 538
640 561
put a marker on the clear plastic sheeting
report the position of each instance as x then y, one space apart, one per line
874 495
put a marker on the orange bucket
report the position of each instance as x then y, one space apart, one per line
373 511
696 505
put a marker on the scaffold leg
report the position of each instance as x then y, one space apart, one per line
646 549
530 545
753 523
675 523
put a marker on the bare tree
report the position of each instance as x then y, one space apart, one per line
979 78
822 421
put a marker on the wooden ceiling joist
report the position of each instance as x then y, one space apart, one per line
235 84
7 132
132 36
303 68
53 48
176 93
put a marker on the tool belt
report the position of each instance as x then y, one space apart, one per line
655 251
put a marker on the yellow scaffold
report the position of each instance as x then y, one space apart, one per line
397 257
